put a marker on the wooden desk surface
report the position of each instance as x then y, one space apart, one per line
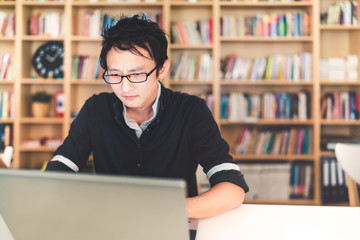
255 222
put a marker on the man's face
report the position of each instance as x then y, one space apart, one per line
135 96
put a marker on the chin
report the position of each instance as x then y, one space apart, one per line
130 104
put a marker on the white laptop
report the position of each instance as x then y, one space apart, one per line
38 205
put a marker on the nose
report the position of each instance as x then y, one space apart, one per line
126 85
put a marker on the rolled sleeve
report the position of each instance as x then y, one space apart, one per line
76 148
211 150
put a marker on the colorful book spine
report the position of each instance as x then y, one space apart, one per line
292 68
85 68
47 24
286 141
192 32
7 105
287 24
7 24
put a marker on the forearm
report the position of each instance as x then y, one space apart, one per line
220 198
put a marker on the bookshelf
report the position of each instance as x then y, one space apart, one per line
330 34
7 72
318 40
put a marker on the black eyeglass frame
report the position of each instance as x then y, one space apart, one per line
127 76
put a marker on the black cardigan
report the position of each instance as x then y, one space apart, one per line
183 134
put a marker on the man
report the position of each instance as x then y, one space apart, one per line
145 129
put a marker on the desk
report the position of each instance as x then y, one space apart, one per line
4 230
281 222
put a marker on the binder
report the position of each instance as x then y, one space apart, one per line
325 183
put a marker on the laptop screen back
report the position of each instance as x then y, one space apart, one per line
46 205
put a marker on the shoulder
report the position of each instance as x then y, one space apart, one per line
180 99
99 103
101 98
190 108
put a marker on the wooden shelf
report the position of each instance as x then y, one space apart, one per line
248 82
7 4
320 43
248 157
85 39
37 149
339 27
265 4
340 122
184 46
88 82
44 4
327 154
195 82
266 39
42 81
7 39
191 4
325 83
6 82
42 38
281 122
47 120
6 121
117 4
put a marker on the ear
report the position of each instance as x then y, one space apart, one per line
163 71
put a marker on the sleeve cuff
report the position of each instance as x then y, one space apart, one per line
232 176
57 166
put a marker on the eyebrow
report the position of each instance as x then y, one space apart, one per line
136 69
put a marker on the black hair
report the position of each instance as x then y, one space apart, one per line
131 33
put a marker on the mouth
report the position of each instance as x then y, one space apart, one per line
129 98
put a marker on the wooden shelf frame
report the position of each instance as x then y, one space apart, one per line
76 90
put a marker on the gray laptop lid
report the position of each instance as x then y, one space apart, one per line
47 205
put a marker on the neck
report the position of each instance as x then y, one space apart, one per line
140 116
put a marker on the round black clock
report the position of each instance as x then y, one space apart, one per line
48 60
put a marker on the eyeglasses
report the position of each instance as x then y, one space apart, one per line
133 78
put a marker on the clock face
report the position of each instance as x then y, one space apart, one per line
48 60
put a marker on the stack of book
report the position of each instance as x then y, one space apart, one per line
192 32
238 106
7 24
342 69
7 105
293 67
278 181
190 68
86 67
301 180
258 141
340 105
289 24
340 13
7 66
267 181
47 24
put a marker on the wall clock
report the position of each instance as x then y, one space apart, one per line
48 60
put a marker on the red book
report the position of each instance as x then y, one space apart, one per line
357 105
210 30
181 29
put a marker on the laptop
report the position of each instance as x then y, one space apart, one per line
38 205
